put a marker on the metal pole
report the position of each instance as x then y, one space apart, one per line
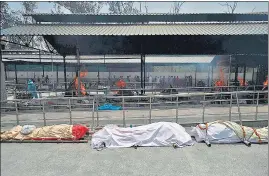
93 103
123 113
65 80
78 69
208 76
141 74
44 114
5 67
57 74
244 75
238 107
43 70
150 107
16 74
257 106
177 111
212 79
253 71
230 108
229 76
144 74
97 111
70 111
195 75
203 117
17 112
236 76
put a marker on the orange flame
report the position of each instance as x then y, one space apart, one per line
121 84
220 82
82 87
241 81
265 83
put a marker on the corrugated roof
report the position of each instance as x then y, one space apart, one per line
251 28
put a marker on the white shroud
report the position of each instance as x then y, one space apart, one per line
153 135
229 132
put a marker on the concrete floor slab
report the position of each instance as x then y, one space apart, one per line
80 159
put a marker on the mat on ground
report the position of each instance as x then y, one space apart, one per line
109 107
153 135
228 132
54 132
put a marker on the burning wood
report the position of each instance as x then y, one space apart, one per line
265 83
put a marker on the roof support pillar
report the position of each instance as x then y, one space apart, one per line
212 76
3 83
5 65
208 75
57 74
143 75
229 76
236 75
78 69
195 75
144 70
257 75
253 73
16 74
244 75
65 81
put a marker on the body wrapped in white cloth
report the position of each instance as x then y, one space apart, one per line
229 132
152 135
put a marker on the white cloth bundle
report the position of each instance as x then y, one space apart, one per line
152 135
229 132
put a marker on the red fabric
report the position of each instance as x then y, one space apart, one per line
79 131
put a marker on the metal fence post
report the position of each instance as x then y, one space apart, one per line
238 108
177 111
70 111
230 108
97 111
93 103
17 112
257 106
123 113
44 114
150 107
203 117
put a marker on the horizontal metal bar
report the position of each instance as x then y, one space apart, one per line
132 97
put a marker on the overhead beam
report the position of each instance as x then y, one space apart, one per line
145 18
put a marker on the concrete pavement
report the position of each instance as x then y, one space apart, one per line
185 115
81 160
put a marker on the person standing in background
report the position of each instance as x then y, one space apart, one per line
150 79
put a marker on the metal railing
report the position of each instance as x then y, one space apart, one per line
154 90
130 103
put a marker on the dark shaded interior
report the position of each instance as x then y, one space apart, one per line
184 45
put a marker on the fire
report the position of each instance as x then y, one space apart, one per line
82 87
265 83
241 81
121 84
83 74
220 82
